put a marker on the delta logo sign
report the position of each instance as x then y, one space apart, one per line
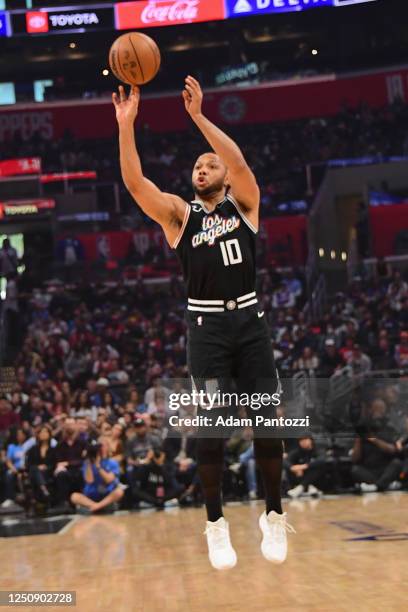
4 24
240 8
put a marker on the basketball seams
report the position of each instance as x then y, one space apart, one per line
152 46
119 64
137 57
112 61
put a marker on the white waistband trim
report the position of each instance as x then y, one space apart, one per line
205 309
242 298
205 302
221 305
245 304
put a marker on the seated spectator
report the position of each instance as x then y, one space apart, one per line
137 447
304 468
40 463
293 284
76 364
155 484
159 403
283 297
383 355
117 375
359 362
346 351
98 391
308 362
116 444
375 450
330 360
8 418
86 429
138 405
15 463
401 351
102 489
69 454
152 392
109 402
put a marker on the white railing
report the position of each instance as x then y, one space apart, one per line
315 305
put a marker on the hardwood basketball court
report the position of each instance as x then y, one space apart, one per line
349 553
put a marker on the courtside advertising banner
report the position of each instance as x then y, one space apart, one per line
24 165
157 13
241 8
63 20
4 24
18 208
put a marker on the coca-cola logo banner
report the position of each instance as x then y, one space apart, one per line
156 13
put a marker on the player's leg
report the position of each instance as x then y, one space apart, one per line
256 377
208 355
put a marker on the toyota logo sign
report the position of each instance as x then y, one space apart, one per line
36 21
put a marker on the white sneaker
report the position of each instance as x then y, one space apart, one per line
395 486
8 503
312 490
220 551
368 488
252 495
235 467
274 545
296 491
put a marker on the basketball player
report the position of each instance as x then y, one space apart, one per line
228 338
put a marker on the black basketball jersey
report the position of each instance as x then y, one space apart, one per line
217 251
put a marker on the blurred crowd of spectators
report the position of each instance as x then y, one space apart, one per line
272 150
84 422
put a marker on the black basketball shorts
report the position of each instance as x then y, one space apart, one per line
232 351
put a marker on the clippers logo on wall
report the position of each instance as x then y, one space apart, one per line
156 13
240 8
54 21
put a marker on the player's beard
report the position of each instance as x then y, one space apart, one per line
209 190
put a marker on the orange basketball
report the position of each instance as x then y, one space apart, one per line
134 58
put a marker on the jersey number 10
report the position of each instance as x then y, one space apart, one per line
231 252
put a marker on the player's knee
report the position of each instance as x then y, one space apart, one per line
209 450
268 448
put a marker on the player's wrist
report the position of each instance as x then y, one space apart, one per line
197 117
126 124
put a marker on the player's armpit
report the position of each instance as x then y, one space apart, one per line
244 188
245 193
165 208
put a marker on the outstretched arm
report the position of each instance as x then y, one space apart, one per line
241 178
167 209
